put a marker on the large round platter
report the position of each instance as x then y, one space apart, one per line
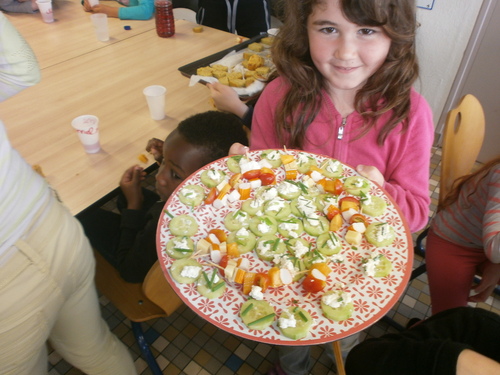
372 297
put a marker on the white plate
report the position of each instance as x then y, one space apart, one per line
372 297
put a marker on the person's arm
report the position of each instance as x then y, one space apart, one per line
143 10
18 65
407 169
21 6
472 363
227 100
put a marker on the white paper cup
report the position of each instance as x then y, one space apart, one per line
87 128
93 3
155 96
100 22
45 8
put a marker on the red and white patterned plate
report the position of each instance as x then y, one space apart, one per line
372 297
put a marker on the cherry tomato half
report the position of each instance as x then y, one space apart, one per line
252 175
313 285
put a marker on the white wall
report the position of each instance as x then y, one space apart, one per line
441 41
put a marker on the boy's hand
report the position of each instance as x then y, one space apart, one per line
372 173
155 148
130 184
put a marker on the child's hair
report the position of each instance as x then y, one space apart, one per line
454 193
215 131
387 89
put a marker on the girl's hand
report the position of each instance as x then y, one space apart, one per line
238 149
130 184
155 148
226 99
372 173
489 280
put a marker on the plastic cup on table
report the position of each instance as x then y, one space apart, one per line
100 22
155 97
87 128
93 3
45 8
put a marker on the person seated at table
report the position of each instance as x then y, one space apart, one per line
128 240
464 240
19 6
462 341
132 9
247 18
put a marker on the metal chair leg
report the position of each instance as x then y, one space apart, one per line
145 350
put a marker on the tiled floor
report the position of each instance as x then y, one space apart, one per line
185 344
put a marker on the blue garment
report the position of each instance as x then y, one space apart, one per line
137 10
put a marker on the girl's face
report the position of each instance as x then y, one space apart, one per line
180 159
346 54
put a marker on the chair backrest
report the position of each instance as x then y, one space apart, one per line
185 14
158 290
190 4
462 141
130 298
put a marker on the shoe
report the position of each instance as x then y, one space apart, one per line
276 370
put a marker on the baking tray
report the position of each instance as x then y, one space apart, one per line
189 69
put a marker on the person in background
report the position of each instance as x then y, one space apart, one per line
461 341
47 268
19 6
131 10
247 18
464 240
344 89
128 240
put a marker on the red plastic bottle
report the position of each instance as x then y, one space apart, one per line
164 17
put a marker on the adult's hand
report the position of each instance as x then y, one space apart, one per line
489 280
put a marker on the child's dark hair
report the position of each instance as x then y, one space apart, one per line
215 131
386 90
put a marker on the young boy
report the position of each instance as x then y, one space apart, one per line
128 240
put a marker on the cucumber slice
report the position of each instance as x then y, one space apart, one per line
374 206
325 200
343 312
278 208
269 246
315 225
291 228
305 162
233 163
236 220
256 314
303 205
212 177
178 266
378 266
273 157
298 247
332 168
253 206
314 256
380 234
180 247
295 323
329 244
210 285
262 225
244 239
183 225
356 185
191 195
289 190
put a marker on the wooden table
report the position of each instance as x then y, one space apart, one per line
105 80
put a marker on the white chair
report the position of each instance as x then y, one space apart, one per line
185 14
